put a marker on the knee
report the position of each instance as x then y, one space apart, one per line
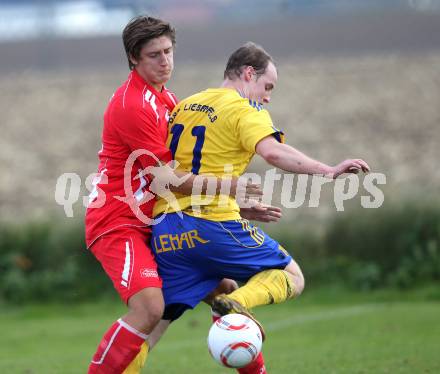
299 282
154 312
297 278
226 286
148 310
148 315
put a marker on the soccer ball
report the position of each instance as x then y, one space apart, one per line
234 340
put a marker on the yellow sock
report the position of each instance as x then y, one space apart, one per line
268 287
138 363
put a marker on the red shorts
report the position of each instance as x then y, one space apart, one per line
127 259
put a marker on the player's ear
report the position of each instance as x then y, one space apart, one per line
133 60
248 73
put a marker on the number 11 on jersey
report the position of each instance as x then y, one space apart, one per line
199 133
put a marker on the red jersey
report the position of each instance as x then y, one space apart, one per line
136 119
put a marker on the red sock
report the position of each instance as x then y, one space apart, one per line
256 366
215 316
118 348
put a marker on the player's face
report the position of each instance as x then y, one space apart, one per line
261 87
156 63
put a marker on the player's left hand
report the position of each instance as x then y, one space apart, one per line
262 213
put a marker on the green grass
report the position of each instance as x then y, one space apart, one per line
322 332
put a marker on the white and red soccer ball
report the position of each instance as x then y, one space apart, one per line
234 340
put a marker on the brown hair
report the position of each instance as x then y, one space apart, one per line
140 30
249 54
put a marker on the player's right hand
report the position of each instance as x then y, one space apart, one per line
352 166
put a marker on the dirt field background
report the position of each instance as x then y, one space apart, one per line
362 86
383 108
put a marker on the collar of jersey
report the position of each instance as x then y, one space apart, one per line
241 94
141 83
253 103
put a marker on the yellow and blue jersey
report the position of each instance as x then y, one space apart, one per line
215 132
194 254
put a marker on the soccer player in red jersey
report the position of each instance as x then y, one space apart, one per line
120 206
117 232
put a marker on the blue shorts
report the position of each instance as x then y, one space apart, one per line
194 255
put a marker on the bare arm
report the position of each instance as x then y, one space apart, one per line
204 181
165 178
290 159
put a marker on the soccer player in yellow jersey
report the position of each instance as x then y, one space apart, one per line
218 131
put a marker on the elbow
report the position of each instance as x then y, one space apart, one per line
271 151
272 157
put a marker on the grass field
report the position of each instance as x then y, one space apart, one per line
320 333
